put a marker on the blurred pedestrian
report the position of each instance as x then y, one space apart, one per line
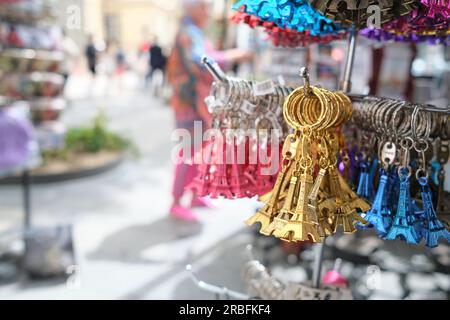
157 62
91 55
71 55
191 84
120 60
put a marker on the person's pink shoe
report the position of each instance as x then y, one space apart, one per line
182 213
201 203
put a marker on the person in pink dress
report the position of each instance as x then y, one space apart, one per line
191 84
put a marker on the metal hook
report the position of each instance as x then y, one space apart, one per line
304 73
214 69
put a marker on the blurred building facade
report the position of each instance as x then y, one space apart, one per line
128 22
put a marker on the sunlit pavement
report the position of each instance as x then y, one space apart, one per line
126 245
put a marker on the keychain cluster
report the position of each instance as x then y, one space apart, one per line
357 13
429 22
399 179
242 159
311 200
284 37
288 23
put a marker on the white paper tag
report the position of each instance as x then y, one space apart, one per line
248 107
213 104
264 88
389 153
210 102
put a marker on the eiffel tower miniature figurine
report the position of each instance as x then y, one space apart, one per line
433 228
202 181
375 215
239 183
349 203
355 202
304 223
219 184
442 208
280 221
267 213
403 225
364 183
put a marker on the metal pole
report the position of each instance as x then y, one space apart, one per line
26 188
346 84
318 260
26 199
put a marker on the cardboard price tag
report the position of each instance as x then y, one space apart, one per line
264 88
248 107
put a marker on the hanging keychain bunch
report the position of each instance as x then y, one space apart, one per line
310 199
287 22
284 37
430 22
357 13
403 135
242 157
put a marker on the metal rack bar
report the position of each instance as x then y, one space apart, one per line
219 291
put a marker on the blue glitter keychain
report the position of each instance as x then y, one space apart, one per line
297 15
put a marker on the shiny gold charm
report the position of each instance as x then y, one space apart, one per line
268 212
286 212
305 205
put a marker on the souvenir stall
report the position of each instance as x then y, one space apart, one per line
31 102
330 166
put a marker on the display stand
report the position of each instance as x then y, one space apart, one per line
345 86
216 290
32 72
26 186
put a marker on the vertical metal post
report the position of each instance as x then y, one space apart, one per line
26 189
346 84
318 260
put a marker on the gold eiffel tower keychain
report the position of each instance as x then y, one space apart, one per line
310 199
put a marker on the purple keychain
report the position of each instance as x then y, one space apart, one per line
15 134
429 23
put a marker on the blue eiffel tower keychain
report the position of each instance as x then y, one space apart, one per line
404 223
379 207
433 229
363 189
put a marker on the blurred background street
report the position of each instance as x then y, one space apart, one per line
127 246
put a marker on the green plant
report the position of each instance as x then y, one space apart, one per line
95 138
90 139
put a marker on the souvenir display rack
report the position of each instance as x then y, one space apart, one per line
31 57
418 135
